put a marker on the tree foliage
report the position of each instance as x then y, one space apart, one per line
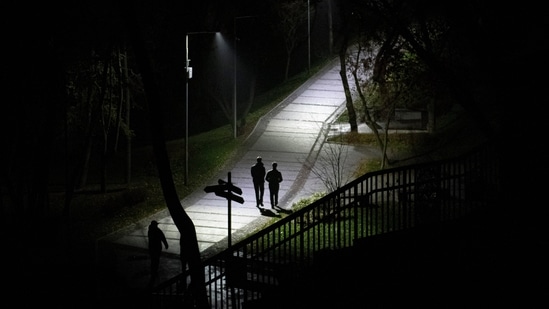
419 55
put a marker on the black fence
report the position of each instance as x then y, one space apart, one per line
377 203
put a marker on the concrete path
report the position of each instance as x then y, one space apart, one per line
291 134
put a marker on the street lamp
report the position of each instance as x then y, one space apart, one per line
309 35
188 75
234 77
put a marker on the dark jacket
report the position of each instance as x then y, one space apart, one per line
274 177
156 239
258 172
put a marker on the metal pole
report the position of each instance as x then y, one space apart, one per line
330 30
309 33
234 82
229 208
187 77
187 109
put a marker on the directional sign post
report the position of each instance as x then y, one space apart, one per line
225 189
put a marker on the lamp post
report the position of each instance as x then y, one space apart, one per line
234 82
188 75
234 77
309 35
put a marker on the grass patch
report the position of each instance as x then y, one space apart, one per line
308 200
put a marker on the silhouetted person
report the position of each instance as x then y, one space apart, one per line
156 239
274 178
258 177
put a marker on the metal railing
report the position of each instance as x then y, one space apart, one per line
377 203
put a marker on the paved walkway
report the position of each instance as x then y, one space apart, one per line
291 134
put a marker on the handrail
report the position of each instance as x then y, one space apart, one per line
376 203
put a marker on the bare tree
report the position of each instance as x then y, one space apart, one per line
330 166
97 113
292 14
222 96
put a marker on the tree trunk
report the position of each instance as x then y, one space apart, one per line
348 97
288 61
368 119
190 251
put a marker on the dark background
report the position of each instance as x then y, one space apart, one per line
40 39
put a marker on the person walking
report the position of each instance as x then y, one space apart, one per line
258 178
156 239
274 178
